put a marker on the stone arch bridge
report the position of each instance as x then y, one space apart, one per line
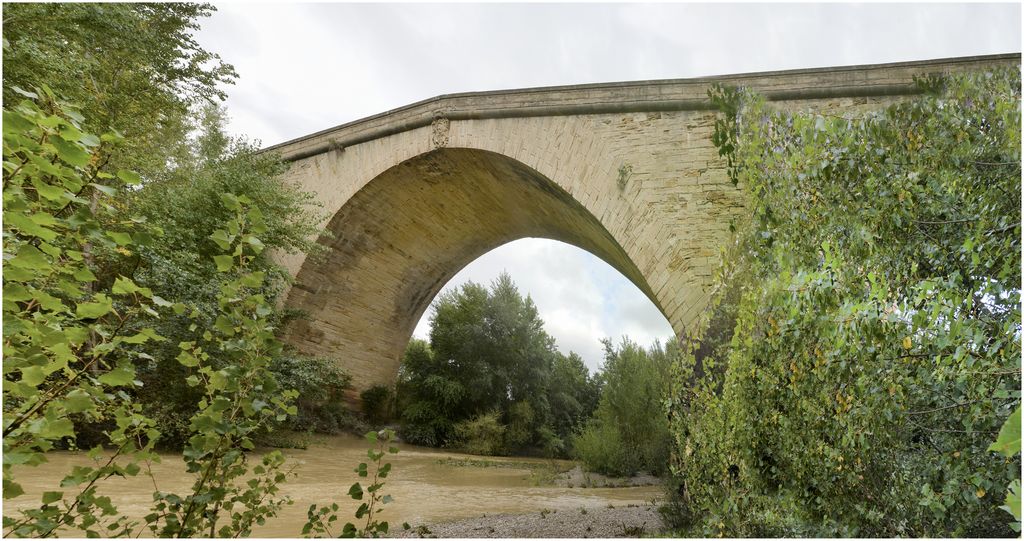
625 171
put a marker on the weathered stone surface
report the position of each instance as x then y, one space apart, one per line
625 171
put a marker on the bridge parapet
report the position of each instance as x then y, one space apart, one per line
874 80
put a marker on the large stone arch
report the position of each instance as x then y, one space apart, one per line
404 234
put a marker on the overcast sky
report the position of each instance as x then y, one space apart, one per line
306 67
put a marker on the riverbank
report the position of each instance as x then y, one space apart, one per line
595 522
577 477
428 486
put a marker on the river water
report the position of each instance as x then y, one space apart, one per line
428 485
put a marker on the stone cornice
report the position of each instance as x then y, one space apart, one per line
873 80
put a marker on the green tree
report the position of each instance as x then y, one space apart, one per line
629 429
131 68
573 394
876 350
428 397
82 330
183 202
72 344
488 352
493 342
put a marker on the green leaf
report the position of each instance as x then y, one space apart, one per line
48 191
123 286
221 238
30 258
119 237
160 301
74 115
57 428
16 292
187 359
1013 499
224 262
138 338
1008 442
253 279
11 489
29 226
89 140
224 325
109 190
70 152
92 310
118 377
84 275
77 401
15 123
254 242
32 375
113 136
356 491
50 250
51 496
230 201
130 178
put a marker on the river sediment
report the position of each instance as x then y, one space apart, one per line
599 522
429 486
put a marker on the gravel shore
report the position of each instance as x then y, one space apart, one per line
627 521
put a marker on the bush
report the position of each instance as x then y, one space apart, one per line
877 344
422 424
321 385
599 446
482 435
378 404
519 432
551 444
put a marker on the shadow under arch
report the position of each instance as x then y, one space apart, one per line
407 232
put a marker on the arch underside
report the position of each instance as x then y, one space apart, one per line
399 240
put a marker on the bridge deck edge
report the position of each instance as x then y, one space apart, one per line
423 112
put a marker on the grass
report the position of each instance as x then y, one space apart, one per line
286 439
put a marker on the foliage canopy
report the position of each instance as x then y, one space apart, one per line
876 350
491 373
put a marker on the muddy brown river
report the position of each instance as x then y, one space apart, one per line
428 486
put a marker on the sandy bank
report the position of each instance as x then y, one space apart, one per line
630 521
